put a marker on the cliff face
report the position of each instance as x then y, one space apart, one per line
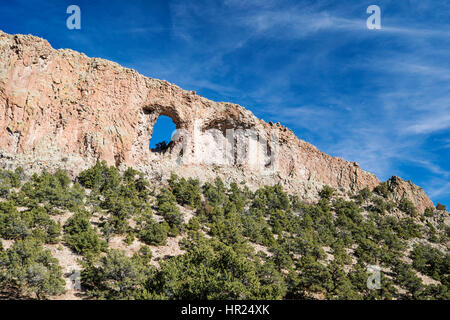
60 108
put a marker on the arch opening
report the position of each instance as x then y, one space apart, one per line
163 131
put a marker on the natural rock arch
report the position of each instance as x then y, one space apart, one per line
163 133
155 111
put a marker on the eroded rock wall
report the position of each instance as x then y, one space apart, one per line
60 108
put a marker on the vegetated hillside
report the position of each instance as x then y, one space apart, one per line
134 239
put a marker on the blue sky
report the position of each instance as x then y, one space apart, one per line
378 97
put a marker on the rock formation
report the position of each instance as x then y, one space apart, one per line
406 189
60 108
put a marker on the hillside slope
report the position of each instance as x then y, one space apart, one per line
113 235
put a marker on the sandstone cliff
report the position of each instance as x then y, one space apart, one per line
60 108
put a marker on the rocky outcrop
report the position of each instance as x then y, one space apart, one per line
400 189
62 108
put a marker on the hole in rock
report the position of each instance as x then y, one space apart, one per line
163 131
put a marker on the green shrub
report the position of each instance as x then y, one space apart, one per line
116 276
364 194
382 189
194 224
407 207
431 261
429 212
167 207
326 193
154 233
81 236
187 192
34 222
215 193
211 270
100 177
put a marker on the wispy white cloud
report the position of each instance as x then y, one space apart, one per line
430 124
438 189
432 167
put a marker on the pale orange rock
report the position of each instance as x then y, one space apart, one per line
60 108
